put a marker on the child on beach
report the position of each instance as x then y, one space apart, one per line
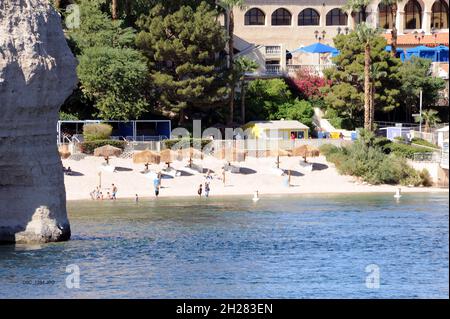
156 185
200 190
136 199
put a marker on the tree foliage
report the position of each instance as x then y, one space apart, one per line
116 79
346 94
182 49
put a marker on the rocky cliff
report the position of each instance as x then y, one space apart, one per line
37 73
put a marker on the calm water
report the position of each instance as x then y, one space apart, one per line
285 247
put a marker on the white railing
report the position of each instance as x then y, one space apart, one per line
431 157
273 69
311 68
273 50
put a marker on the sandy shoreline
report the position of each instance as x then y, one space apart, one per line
256 174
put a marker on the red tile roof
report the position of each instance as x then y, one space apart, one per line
428 40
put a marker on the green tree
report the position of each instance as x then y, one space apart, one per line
295 110
243 66
265 97
346 92
228 6
430 118
115 79
97 30
182 49
415 75
366 35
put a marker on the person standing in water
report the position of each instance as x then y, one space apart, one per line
156 185
114 192
200 190
207 189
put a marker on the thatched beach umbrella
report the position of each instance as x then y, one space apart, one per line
278 153
64 155
107 151
306 151
146 157
168 156
231 155
191 153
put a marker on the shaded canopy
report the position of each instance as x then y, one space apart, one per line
107 151
317 48
231 155
146 157
306 151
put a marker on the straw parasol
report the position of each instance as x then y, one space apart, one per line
191 153
305 151
278 153
64 154
146 157
107 151
168 156
231 155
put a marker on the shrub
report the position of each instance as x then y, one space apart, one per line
366 159
185 142
327 149
404 150
423 142
96 132
425 177
88 147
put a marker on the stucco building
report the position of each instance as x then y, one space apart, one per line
267 29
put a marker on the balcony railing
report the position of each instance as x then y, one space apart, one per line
273 69
273 50
311 68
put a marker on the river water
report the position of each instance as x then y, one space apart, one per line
343 246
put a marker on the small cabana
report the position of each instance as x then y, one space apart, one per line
278 130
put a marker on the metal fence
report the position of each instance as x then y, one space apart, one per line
431 157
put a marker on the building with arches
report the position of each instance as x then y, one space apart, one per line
285 25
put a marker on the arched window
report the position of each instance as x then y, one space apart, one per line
413 15
439 15
385 16
255 16
281 17
308 17
358 17
336 17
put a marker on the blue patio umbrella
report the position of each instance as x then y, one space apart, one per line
318 48
421 51
442 53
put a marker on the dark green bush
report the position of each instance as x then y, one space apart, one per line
327 149
185 142
88 147
404 150
423 142
367 160
96 132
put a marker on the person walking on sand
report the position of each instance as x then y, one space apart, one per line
136 198
114 192
207 189
200 190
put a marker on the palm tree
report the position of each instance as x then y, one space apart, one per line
244 65
375 75
358 6
393 4
365 35
228 6
430 117
115 9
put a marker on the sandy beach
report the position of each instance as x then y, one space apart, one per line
256 174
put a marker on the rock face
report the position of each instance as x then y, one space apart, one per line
37 73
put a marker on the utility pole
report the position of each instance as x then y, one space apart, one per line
420 112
